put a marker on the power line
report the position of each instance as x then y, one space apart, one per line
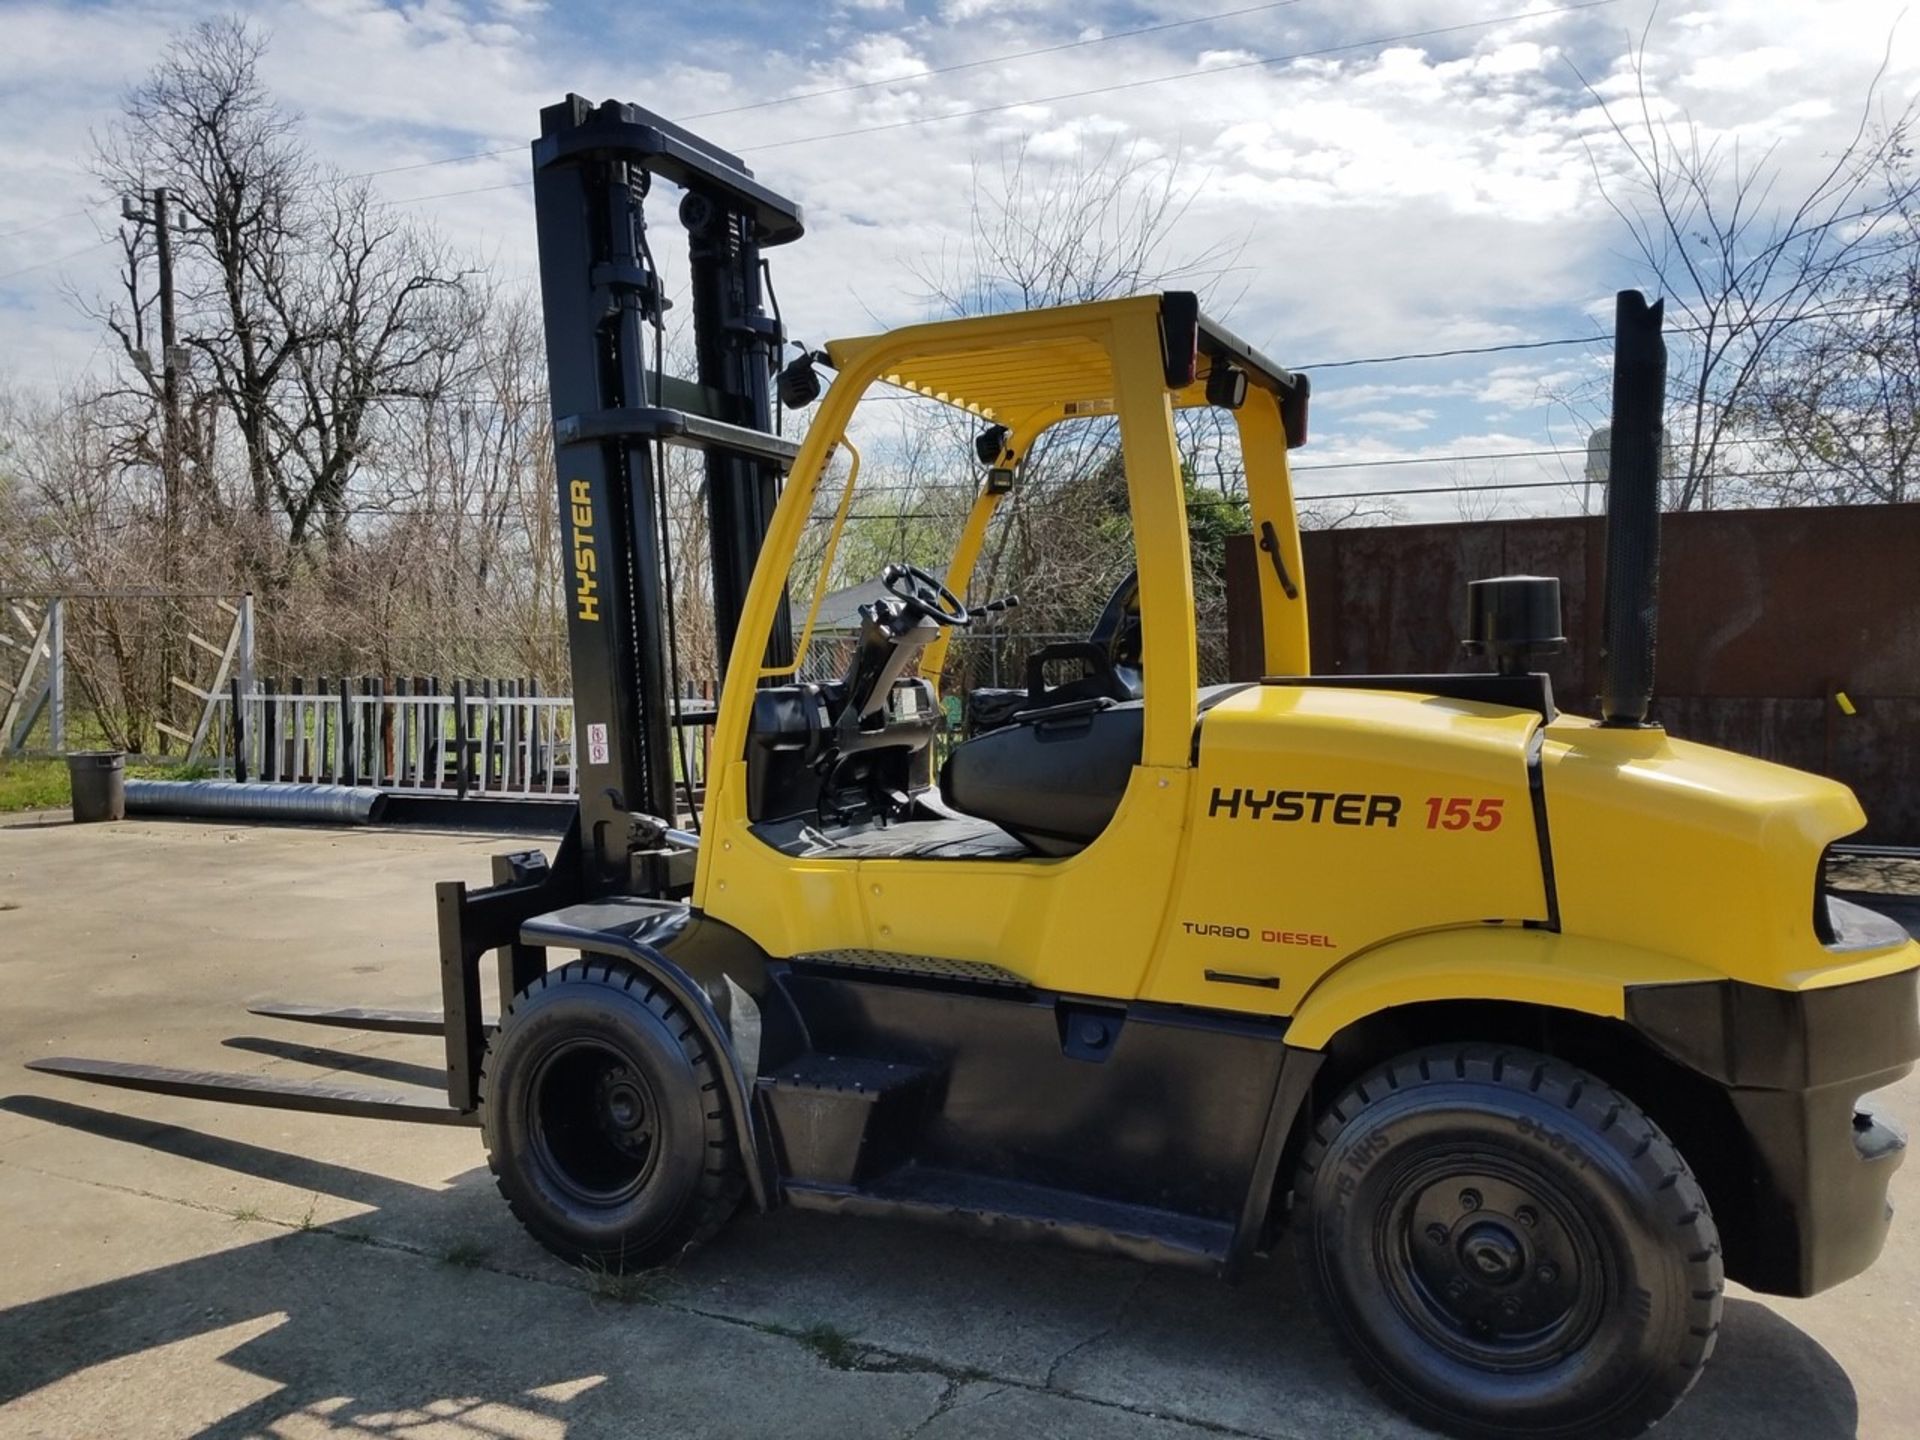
1462 350
51 220
1431 490
443 160
1596 339
451 194
993 60
1209 70
1435 459
57 259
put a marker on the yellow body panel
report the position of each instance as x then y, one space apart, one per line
1701 853
1331 852
1085 925
1570 972
1309 843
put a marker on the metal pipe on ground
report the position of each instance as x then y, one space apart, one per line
243 800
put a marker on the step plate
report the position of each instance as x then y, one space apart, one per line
893 962
1013 1210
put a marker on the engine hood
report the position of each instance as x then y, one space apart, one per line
1698 853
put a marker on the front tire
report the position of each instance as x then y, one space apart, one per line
1508 1247
605 1125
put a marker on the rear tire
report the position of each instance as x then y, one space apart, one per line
1508 1247
605 1124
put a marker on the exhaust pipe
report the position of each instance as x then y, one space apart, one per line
1633 512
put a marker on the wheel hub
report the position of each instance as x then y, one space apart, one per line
621 1110
592 1120
1492 1253
1491 1262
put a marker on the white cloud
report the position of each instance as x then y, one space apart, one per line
1433 194
1393 420
1740 71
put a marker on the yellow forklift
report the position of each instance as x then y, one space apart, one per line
1529 1029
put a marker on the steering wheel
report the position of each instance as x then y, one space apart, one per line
924 595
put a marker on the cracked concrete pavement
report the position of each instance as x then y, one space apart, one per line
170 1267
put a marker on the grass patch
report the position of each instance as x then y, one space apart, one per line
246 1213
834 1346
34 785
625 1287
42 784
161 771
465 1253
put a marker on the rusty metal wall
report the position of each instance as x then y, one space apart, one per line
1765 615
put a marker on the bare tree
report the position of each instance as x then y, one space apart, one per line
1743 266
308 305
1103 223
1840 399
1096 226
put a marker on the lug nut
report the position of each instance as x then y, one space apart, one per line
1510 1306
1469 1199
1547 1273
1456 1288
1437 1233
1526 1216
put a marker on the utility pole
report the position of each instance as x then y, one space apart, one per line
169 373
157 214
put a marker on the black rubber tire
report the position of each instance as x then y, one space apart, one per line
1595 1184
587 1027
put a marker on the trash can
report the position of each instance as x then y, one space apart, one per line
99 785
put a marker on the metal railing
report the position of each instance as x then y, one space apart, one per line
499 738
490 738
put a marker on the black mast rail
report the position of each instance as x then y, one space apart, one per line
603 299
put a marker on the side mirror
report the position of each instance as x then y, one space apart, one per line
799 382
990 444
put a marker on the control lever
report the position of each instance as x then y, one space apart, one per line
1005 602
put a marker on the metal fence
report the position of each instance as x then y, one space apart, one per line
1790 634
418 736
492 737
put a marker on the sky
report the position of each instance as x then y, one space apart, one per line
1390 177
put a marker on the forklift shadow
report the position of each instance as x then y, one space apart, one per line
1251 1357
385 1334
302 1334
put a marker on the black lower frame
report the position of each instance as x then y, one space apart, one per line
1143 1130
1793 1067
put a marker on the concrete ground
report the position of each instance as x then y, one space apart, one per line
170 1267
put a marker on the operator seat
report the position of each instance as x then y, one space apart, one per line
1054 776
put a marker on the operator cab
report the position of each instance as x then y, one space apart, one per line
845 767
858 758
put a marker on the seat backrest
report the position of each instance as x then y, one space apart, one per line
1054 777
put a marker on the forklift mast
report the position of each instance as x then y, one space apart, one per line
614 407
